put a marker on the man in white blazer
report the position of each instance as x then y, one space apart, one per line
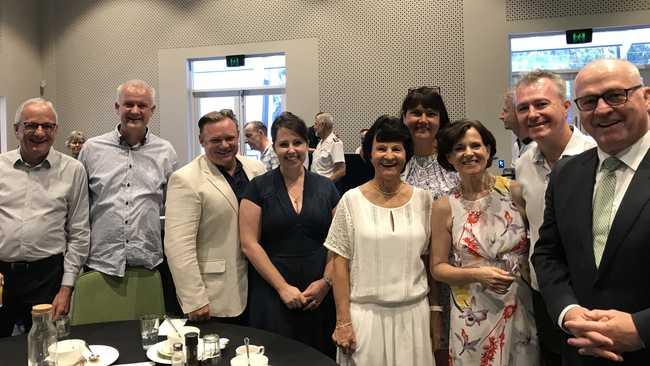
201 225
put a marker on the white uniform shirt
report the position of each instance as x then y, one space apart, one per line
329 151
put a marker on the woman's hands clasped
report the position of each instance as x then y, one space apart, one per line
292 297
494 279
315 293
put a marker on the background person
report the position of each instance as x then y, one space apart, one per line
75 142
44 230
510 122
201 226
329 156
424 113
255 133
378 237
481 225
284 218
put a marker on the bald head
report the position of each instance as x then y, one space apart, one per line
614 103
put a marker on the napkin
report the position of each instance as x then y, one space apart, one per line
166 328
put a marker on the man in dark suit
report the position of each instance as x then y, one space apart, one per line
593 256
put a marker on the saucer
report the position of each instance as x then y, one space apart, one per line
107 355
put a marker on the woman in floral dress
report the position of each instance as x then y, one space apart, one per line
481 225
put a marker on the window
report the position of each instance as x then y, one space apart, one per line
255 91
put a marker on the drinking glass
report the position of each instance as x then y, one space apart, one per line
211 349
149 330
63 326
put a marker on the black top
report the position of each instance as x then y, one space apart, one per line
238 181
282 227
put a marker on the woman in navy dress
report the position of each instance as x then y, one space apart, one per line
284 219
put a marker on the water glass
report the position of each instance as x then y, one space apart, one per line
211 349
149 330
63 326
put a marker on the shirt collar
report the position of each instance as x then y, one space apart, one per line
46 163
122 141
632 156
575 146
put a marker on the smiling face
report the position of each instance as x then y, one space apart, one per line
469 155
220 140
618 127
36 132
290 148
423 123
541 110
135 107
387 158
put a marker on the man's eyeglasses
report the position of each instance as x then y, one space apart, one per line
33 126
424 89
612 97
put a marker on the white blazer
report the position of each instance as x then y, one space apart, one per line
202 238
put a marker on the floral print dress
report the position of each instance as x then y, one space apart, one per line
490 329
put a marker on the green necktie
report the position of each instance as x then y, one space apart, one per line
603 205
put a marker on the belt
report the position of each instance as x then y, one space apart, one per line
22 266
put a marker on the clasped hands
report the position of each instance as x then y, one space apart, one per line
309 299
602 333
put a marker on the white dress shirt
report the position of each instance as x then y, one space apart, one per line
532 172
44 211
329 151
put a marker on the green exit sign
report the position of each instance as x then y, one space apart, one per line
577 36
235 61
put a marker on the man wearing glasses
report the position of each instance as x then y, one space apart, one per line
593 255
44 231
128 169
541 109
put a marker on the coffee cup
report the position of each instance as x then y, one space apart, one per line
68 352
241 350
253 359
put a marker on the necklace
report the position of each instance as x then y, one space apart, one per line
387 194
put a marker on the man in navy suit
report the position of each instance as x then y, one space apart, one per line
593 256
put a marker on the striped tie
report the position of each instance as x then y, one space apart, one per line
603 205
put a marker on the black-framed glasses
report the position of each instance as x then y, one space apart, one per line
33 126
612 97
424 89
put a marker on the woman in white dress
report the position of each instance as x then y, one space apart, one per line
378 236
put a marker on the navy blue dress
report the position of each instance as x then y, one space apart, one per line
294 244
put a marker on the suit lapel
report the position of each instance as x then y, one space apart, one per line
635 198
584 201
214 176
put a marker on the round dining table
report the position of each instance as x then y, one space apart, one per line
125 337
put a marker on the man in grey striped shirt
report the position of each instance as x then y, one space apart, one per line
128 169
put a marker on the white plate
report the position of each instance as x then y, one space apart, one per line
107 355
153 355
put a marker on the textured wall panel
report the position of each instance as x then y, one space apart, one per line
539 9
370 52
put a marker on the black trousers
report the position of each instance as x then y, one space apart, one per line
549 335
28 284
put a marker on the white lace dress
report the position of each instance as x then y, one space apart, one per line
388 285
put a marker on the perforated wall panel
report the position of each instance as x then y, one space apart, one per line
538 9
370 52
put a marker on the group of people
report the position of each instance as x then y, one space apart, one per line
434 260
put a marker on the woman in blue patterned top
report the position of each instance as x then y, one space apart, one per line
424 113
